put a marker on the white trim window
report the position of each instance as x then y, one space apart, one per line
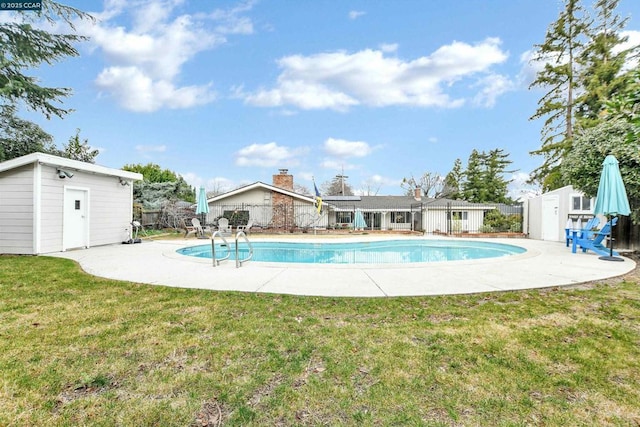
580 203
400 217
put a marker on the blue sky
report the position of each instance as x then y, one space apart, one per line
225 93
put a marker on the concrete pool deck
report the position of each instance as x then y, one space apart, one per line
155 262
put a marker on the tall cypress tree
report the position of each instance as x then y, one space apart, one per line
453 181
563 45
601 63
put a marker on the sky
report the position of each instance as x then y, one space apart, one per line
226 93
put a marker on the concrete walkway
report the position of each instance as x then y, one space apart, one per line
545 264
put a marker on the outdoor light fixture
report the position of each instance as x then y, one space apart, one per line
62 174
124 182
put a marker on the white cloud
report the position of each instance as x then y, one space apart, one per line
267 155
141 93
151 148
340 80
633 39
145 60
336 165
493 85
389 47
343 149
355 14
519 189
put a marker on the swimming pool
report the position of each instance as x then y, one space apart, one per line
371 252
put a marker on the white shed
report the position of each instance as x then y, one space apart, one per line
546 216
51 204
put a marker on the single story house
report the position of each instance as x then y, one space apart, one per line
273 206
279 206
52 204
546 216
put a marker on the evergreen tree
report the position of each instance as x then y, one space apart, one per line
20 137
563 45
484 180
473 189
24 46
601 63
453 181
495 184
159 185
79 150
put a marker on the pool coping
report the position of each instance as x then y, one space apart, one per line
155 262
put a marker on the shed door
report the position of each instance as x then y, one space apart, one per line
75 229
550 228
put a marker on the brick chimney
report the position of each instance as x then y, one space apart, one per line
283 180
282 203
417 194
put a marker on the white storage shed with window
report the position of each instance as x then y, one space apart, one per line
546 216
52 204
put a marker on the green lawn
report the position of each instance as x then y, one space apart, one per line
80 350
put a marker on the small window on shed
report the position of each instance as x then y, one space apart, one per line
77 205
580 203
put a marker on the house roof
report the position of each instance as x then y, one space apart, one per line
263 186
387 203
61 162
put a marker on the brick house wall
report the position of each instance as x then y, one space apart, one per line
283 213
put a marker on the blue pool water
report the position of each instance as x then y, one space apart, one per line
375 252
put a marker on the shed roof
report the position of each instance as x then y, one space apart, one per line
61 162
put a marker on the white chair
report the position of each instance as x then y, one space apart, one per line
198 229
223 225
246 227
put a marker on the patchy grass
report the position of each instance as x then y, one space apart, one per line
80 350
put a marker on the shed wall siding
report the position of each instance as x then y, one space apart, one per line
16 211
109 208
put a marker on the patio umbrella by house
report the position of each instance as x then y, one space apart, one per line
358 221
202 208
611 199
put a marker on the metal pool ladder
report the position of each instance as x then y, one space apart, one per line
216 262
239 262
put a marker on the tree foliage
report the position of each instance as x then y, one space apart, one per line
563 44
584 68
453 181
24 47
338 186
583 165
20 137
601 64
483 180
625 105
159 185
79 150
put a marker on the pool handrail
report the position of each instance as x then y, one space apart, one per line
246 239
216 262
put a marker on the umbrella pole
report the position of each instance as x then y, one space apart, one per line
611 257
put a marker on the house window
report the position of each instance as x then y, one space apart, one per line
580 203
343 217
400 217
463 215
236 217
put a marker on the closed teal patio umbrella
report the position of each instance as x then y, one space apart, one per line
202 208
359 222
611 199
